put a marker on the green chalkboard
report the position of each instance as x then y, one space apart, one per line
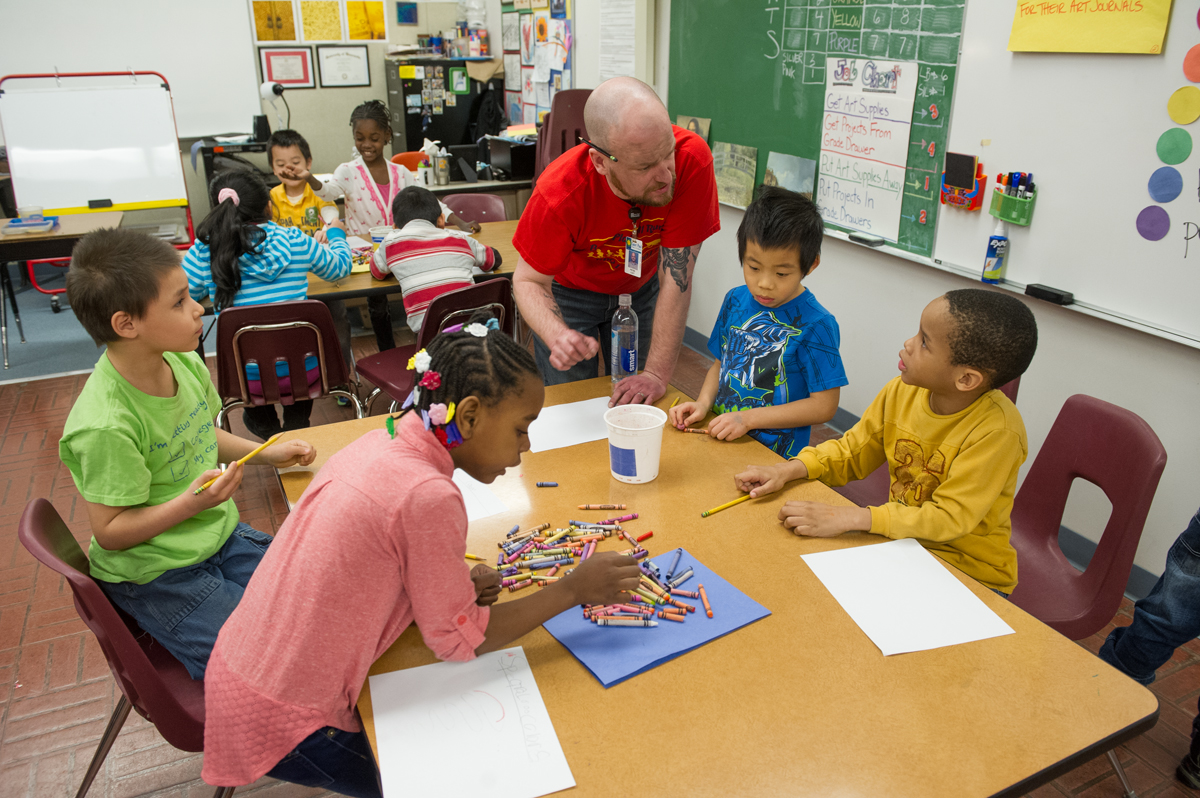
757 69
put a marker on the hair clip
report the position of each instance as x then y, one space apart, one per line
454 329
478 330
420 361
432 380
411 400
391 427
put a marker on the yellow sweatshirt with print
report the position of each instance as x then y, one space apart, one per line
952 478
305 213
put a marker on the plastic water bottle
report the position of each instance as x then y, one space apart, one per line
624 340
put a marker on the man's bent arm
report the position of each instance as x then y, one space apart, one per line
536 301
675 268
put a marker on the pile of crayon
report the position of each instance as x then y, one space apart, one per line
524 554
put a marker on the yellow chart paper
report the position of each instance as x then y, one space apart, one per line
1090 26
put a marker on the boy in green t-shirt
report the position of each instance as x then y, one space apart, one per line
140 440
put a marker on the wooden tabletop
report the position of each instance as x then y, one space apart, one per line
494 234
801 702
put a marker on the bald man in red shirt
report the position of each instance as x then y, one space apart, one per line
637 178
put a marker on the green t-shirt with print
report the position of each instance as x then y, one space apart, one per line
126 448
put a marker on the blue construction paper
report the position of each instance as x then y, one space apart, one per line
1165 184
614 653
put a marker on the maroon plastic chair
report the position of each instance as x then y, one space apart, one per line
875 489
562 128
267 333
388 371
151 680
1118 452
477 207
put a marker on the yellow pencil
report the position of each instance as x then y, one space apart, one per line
674 403
267 443
724 506
473 557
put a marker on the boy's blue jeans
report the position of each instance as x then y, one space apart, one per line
185 608
591 313
332 759
1165 619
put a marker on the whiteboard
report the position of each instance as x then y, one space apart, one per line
204 50
1086 126
127 154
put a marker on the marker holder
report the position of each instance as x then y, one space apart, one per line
966 200
1012 209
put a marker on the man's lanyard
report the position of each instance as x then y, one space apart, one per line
633 247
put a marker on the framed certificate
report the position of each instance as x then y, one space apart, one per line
342 66
290 67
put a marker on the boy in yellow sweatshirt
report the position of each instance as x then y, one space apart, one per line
951 441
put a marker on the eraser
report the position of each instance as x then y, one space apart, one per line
866 238
1055 295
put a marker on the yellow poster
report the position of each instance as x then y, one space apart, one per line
1090 26
273 21
322 20
365 19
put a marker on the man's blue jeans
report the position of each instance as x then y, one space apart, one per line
1165 619
332 759
591 314
184 608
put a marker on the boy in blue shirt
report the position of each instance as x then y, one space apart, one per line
778 370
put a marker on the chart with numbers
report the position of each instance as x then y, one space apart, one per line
808 32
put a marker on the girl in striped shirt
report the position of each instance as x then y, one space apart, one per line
241 257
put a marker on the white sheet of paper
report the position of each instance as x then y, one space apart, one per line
467 729
478 497
541 63
354 242
903 598
566 425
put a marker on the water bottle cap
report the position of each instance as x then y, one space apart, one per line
626 300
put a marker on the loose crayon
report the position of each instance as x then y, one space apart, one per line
685 593
622 519
679 580
695 431
624 622
516 528
674 564
601 507
647 535
473 557
670 616
725 506
674 403
547 484
704 598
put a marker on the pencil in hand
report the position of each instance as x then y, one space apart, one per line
242 461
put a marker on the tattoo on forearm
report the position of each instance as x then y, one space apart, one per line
554 308
675 262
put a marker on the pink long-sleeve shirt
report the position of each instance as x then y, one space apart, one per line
376 543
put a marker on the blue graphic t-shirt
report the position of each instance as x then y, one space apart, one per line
772 356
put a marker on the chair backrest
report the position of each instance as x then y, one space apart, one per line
457 307
1117 451
477 207
266 334
562 127
409 160
1010 389
156 684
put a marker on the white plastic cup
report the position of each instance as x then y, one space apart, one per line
634 442
377 236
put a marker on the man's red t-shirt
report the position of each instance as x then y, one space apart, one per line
574 227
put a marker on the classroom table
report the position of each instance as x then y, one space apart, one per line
494 234
801 702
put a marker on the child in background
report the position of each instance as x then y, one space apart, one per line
369 183
293 201
427 259
140 440
382 530
241 257
952 442
1163 621
777 369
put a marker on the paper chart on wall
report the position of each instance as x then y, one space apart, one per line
510 31
864 143
512 72
478 497
569 424
467 729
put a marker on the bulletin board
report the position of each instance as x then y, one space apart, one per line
1093 128
536 42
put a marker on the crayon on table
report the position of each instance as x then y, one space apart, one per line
547 484
624 622
725 506
473 557
704 598
695 431
241 461
674 403
601 507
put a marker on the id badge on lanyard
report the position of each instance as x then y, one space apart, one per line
633 247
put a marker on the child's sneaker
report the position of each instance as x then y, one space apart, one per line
343 401
1189 772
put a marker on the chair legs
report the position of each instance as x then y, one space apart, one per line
224 792
110 736
1125 785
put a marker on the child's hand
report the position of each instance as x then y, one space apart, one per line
762 480
728 426
816 520
487 585
320 237
470 227
220 491
687 414
287 453
290 172
339 224
601 578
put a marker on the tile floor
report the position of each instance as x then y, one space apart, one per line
56 692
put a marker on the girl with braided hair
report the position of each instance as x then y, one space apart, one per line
376 544
369 183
